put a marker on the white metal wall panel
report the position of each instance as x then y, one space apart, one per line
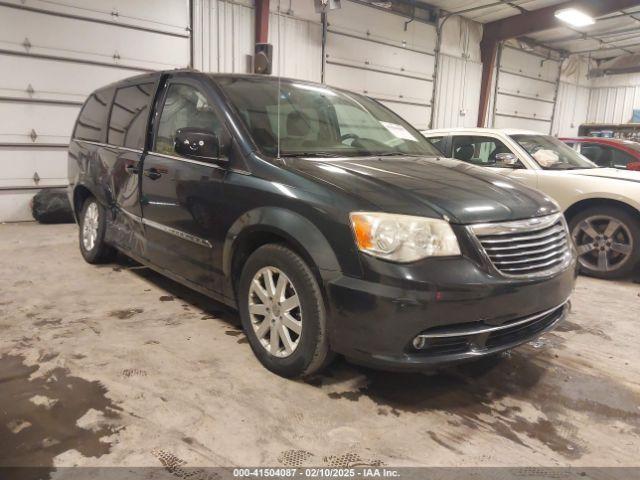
369 51
52 55
571 109
51 123
224 38
523 123
63 81
171 16
526 90
297 46
456 100
58 36
19 165
613 104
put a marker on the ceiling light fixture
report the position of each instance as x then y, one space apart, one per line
574 17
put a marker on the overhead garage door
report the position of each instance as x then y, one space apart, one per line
384 56
47 72
526 90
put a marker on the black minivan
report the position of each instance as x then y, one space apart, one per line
330 223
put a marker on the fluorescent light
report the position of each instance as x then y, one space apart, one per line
574 17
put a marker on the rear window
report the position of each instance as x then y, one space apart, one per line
129 115
93 116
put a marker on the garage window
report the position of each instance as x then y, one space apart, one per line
129 114
93 117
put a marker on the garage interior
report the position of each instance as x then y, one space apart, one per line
118 366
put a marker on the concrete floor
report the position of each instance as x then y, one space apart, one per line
115 365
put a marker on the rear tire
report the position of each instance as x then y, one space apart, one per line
608 241
93 226
283 312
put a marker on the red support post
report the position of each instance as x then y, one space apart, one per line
488 52
262 21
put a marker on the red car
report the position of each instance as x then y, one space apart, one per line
608 152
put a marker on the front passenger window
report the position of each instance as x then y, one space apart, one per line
481 151
184 106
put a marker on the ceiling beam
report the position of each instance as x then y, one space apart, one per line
544 18
526 24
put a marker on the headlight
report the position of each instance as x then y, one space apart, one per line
402 238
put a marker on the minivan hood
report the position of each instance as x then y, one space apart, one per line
434 187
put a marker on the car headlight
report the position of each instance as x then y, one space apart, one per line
403 238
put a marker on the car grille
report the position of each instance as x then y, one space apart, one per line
527 247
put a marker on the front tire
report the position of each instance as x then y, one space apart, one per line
283 312
93 226
607 240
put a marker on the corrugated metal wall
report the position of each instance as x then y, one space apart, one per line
458 90
573 96
613 98
52 55
224 38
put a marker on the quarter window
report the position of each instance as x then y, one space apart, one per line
184 106
93 117
129 114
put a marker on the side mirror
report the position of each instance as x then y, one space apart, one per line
198 144
507 160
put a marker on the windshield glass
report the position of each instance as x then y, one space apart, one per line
551 153
314 120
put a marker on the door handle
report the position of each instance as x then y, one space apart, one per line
152 173
131 169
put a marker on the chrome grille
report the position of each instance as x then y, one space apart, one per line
535 246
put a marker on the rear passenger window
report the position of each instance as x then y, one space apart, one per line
93 117
128 121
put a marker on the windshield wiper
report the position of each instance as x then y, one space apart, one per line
313 154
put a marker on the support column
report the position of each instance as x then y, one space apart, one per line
262 21
488 52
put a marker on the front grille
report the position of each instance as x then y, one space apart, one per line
526 247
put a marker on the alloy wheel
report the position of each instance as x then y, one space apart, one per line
603 243
275 311
90 226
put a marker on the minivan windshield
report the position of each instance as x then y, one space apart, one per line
552 154
318 121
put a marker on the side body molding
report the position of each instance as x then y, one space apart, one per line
288 224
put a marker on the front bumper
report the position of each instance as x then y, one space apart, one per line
460 310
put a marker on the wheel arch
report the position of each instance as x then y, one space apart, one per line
80 194
583 204
265 225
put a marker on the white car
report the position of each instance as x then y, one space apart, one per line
601 205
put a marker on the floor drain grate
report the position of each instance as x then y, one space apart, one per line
294 458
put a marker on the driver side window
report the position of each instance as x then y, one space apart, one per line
480 151
184 106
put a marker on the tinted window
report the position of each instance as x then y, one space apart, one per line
93 116
129 114
478 150
437 142
184 106
621 158
599 155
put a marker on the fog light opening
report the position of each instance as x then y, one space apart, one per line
419 343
